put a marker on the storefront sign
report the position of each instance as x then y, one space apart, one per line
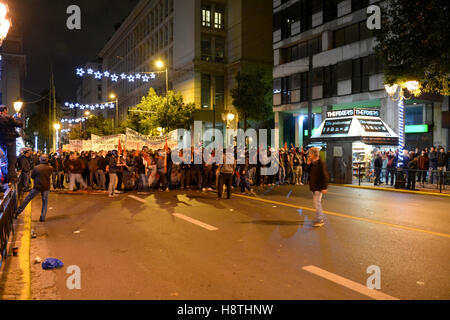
353 112
373 126
336 127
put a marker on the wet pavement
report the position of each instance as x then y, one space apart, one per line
187 245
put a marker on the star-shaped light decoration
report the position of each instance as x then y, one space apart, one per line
80 72
130 78
90 71
138 76
123 76
71 106
98 75
145 78
77 105
111 106
82 107
114 77
153 76
106 74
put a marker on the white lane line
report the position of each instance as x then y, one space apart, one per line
138 199
374 294
196 222
183 217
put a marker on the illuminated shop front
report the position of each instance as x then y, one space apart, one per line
350 137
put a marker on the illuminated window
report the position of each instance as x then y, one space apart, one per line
206 17
218 20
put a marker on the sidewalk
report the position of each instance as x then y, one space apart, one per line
15 273
427 189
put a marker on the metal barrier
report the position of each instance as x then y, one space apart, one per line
8 208
430 179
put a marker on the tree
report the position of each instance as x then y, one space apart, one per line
97 125
252 96
414 43
155 112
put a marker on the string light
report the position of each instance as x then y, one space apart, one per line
103 106
133 77
70 121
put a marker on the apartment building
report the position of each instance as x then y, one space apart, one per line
346 72
204 44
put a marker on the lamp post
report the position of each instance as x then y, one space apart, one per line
161 65
116 103
397 93
5 23
57 127
36 141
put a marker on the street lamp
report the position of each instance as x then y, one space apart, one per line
114 97
18 104
5 23
397 93
87 113
161 65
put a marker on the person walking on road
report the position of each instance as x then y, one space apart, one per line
41 175
226 171
112 169
318 183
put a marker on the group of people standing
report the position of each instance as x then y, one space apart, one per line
427 165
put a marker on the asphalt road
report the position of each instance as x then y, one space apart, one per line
187 245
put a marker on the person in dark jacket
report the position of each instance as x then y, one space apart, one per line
76 169
41 175
24 164
100 174
433 156
318 182
378 164
58 171
112 169
8 136
423 163
413 165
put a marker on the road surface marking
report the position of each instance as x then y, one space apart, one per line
24 255
374 294
397 226
196 222
138 199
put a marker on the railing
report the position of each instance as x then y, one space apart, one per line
427 179
7 210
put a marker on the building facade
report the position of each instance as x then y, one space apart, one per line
92 91
12 67
346 72
203 43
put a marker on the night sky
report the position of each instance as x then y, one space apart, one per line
47 39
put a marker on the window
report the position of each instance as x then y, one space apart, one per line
218 19
220 92
304 90
352 33
206 17
206 49
220 50
339 38
359 4
344 70
330 81
356 76
206 91
414 115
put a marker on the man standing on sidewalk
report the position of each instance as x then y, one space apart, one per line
24 164
318 183
41 175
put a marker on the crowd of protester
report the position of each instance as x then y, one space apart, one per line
150 170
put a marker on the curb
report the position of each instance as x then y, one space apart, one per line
24 256
395 190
